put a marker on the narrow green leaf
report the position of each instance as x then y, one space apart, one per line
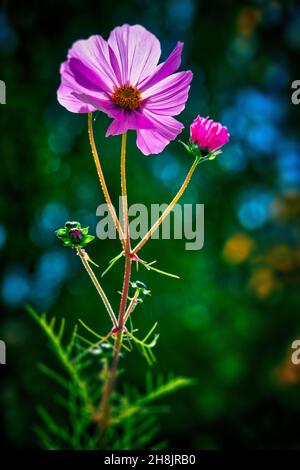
111 263
150 332
53 375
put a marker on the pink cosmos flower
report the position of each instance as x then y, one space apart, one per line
208 134
122 78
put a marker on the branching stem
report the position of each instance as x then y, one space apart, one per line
109 385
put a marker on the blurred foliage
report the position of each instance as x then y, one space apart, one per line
230 320
132 418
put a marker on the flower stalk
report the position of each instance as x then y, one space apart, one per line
124 193
102 180
82 254
109 386
128 260
169 208
131 306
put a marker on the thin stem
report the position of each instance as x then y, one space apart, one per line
97 285
110 383
168 209
131 306
128 261
124 192
126 283
102 180
104 410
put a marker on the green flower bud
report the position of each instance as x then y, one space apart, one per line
74 236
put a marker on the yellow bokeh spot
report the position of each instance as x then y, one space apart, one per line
248 20
263 282
287 373
238 248
282 258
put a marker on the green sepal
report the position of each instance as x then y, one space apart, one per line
63 235
62 232
192 148
214 154
87 239
67 242
186 146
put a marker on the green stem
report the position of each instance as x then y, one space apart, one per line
110 383
124 193
98 287
131 306
102 180
168 209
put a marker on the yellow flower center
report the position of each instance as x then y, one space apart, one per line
127 97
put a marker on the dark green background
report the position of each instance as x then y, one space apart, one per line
230 321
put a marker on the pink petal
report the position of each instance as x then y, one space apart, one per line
98 104
72 103
135 53
94 54
168 97
208 134
78 94
220 139
163 70
85 76
153 141
125 121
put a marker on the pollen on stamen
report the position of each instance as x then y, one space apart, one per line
127 97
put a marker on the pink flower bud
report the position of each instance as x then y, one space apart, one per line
208 134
